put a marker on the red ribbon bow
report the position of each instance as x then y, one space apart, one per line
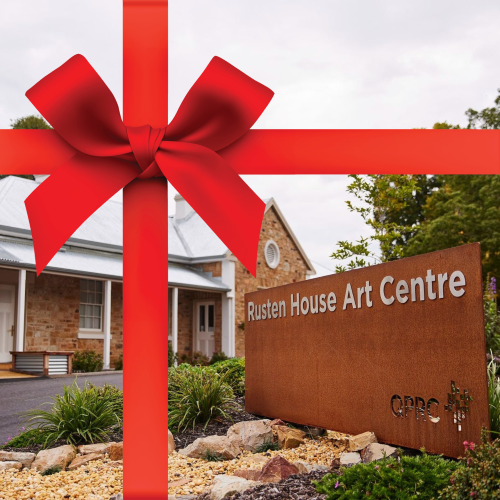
221 107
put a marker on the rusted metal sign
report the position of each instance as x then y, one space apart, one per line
397 348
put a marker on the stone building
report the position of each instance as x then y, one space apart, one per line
76 303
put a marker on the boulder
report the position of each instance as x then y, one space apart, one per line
221 445
277 469
351 458
288 437
257 461
361 441
171 443
377 451
276 421
15 456
116 451
9 464
226 485
61 456
250 435
251 474
305 468
86 449
84 459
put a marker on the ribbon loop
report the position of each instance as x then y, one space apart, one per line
221 106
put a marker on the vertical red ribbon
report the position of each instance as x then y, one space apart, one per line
145 258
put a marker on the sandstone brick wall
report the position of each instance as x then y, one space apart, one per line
291 268
187 301
53 317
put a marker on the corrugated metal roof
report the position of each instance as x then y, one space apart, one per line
188 277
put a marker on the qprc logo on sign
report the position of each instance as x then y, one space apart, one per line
458 405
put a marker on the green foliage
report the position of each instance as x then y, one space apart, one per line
234 370
479 474
30 122
195 359
25 439
488 118
112 396
51 470
171 355
494 396
491 318
79 416
87 361
196 395
403 478
213 456
218 356
119 363
267 446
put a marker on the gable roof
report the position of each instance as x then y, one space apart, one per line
190 240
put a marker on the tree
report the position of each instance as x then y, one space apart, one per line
28 122
488 118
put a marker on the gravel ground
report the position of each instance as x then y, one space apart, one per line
199 474
296 487
98 480
216 427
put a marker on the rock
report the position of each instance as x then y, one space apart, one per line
361 441
315 431
257 460
277 469
226 485
305 468
276 421
216 444
250 435
376 451
171 443
288 437
351 458
84 459
251 474
117 497
114 464
179 482
62 456
116 451
14 456
9 464
86 449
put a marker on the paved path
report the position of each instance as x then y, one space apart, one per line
20 395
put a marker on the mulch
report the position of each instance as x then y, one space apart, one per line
296 487
218 426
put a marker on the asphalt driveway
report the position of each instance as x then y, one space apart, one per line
20 395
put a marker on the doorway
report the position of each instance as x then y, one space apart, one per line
7 312
205 328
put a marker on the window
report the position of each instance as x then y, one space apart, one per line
206 318
272 254
91 305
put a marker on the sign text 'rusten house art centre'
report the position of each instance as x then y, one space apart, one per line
397 348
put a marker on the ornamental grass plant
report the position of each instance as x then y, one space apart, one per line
197 395
494 397
79 416
235 370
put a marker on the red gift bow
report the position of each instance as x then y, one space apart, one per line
221 107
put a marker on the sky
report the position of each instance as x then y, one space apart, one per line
332 64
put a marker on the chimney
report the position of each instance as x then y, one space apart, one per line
182 208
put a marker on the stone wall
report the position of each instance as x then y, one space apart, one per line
292 268
53 317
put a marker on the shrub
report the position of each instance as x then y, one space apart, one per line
87 361
479 474
25 439
79 416
196 395
218 356
171 355
494 396
119 363
196 359
234 368
112 396
401 478
491 317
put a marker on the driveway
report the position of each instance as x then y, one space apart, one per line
21 395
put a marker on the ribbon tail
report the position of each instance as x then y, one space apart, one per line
221 198
65 200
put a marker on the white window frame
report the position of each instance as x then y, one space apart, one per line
93 333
